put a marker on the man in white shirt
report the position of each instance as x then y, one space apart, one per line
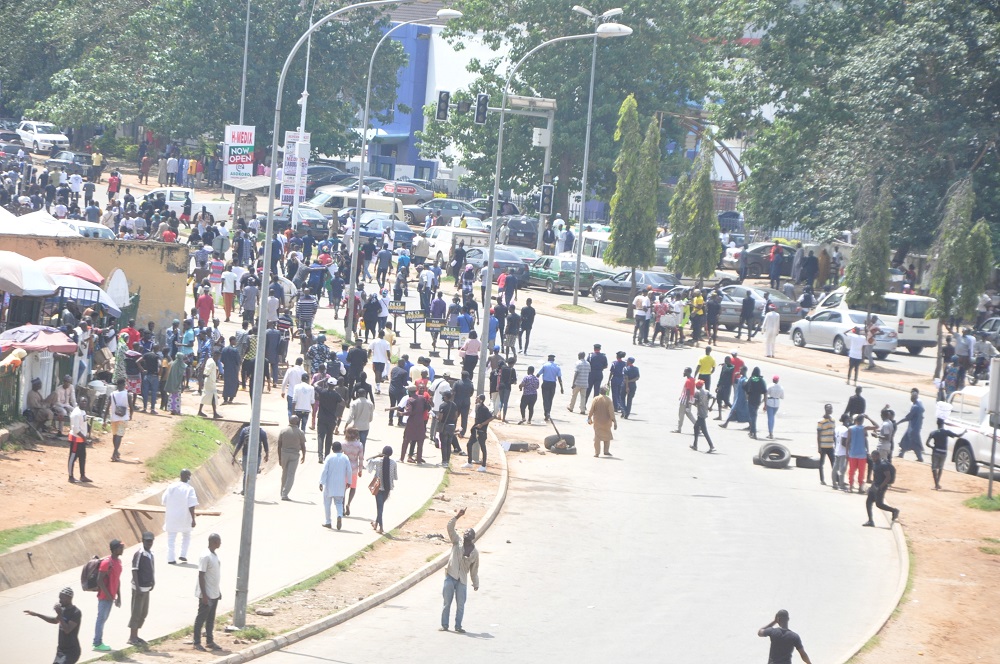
229 281
81 364
121 413
293 376
208 591
769 330
303 398
78 439
856 341
361 413
381 352
334 481
179 500
640 306
65 402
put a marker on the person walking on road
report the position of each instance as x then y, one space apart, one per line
775 393
914 421
783 640
616 379
856 404
825 430
334 481
291 445
143 581
462 564
602 416
884 475
686 400
529 395
725 387
550 374
355 453
631 375
598 363
383 470
756 390
179 500
361 413
208 590
706 367
703 406
210 393
938 442
68 617
109 591
581 380
480 427
769 330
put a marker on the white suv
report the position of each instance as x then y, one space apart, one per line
966 409
38 136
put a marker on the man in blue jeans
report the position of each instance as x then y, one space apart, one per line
149 365
464 562
108 590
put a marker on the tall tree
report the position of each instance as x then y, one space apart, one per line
633 205
868 269
695 245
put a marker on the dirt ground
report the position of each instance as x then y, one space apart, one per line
33 481
396 556
949 614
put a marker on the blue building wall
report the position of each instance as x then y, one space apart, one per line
411 92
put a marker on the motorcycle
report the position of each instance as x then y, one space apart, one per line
980 370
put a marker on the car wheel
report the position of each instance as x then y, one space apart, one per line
550 286
753 271
965 462
598 294
409 218
584 292
729 327
881 354
798 338
34 146
440 257
839 347
914 350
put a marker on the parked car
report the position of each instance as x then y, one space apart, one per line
174 196
310 221
729 310
967 409
444 239
506 208
908 312
330 201
619 287
448 207
502 260
788 309
528 256
320 175
410 192
10 136
71 162
40 136
521 230
555 273
350 183
402 234
90 229
9 151
758 259
990 328
830 328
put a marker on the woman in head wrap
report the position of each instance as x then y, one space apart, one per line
383 469
174 383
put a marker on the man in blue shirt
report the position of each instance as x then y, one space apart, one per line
550 374
857 453
616 376
915 420
465 322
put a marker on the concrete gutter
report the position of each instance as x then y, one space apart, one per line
401 586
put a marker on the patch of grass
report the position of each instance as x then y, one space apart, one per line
253 633
574 309
193 442
984 503
991 540
625 321
990 550
317 579
431 557
16 536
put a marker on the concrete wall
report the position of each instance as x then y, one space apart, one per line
158 269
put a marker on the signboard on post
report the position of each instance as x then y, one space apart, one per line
414 319
397 307
295 167
239 151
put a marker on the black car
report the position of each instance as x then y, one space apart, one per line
310 221
70 162
619 287
9 151
522 230
321 174
502 261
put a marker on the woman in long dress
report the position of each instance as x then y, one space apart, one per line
210 392
741 409
602 416
174 383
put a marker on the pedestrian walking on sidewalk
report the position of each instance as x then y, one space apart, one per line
384 476
355 453
783 640
109 591
291 452
463 563
703 406
143 581
208 590
68 617
179 500
884 475
334 481
602 416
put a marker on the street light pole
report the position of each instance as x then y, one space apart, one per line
598 20
246 48
246 534
446 14
603 31
303 102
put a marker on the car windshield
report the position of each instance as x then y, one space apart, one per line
859 318
43 128
656 279
775 295
320 199
507 256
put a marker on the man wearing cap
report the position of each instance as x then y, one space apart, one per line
616 379
769 329
108 590
598 363
550 374
631 376
142 583
463 563
68 618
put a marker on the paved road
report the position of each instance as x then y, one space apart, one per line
611 559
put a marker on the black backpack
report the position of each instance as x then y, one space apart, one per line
89 574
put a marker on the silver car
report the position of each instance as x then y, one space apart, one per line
411 193
788 309
829 328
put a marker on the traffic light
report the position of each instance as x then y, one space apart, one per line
545 200
444 98
482 106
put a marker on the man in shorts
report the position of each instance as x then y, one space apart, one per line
121 413
938 442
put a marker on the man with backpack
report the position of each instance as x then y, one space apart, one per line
109 575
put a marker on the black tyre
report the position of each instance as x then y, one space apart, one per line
753 271
598 294
965 460
808 462
550 286
774 455
881 354
798 338
756 461
914 350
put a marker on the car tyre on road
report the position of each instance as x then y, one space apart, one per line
798 338
914 350
598 294
774 455
839 347
550 286
965 461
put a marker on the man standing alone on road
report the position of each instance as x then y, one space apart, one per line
783 640
463 563
938 442
143 581
179 500
208 590
824 441
884 475
602 416
769 330
550 374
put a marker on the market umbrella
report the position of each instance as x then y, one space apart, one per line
36 338
85 292
21 276
54 265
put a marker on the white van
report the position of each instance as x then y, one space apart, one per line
444 239
330 200
913 330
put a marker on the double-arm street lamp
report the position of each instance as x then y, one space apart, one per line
604 30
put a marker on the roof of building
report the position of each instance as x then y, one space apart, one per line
419 10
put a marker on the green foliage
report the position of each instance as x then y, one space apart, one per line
695 241
984 503
193 442
951 249
22 535
868 270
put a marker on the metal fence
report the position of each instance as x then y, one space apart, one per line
10 395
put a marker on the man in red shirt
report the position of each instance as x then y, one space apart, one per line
206 308
133 334
169 236
109 579
687 398
737 365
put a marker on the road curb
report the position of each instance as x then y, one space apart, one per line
890 605
401 586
